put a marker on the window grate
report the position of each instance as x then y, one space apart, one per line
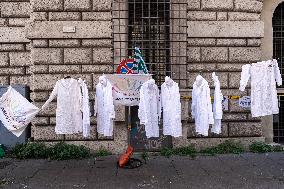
158 28
278 47
278 36
278 122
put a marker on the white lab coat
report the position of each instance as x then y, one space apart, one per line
149 111
85 108
201 106
104 107
264 76
170 100
217 106
69 106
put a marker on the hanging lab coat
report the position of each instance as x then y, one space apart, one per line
170 100
85 108
69 106
104 107
201 107
217 106
149 111
264 76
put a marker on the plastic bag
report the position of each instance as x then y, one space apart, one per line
16 112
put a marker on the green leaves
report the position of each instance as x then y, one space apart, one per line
261 147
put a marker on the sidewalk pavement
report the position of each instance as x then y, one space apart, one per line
259 171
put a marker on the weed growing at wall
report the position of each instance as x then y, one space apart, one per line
261 147
227 147
102 152
60 151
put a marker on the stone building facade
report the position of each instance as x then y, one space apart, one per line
38 46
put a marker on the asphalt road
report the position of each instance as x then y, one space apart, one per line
259 171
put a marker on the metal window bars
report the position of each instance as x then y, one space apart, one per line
158 28
278 47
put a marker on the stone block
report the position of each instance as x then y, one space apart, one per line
64 43
234 79
193 54
20 80
79 136
193 4
223 78
15 9
4 59
47 56
245 129
39 96
201 143
12 71
202 67
234 117
244 54
254 42
97 69
21 22
38 121
50 5
248 5
64 69
77 56
20 58
64 16
201 42
45 81
77 5
222 29
231 42
28 47
191 133
4 80
102 5
229 67
102 55
222 16
243 16
3 22
40 43
39 16
84 29
96 16
217 5
214 54
12 47
45 133
13 35
36 69
96 43
201 15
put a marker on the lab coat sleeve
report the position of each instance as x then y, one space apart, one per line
141 111
52 96
278 77
193 105
110 101
209 107
245 75
178 116
159 105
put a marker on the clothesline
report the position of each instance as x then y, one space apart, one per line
185 97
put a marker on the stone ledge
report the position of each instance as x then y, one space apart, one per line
54 29
224 29
13 34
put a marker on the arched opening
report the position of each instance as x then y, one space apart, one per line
278 53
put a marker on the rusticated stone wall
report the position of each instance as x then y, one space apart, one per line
222 35
15 48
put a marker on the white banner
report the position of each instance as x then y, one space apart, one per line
16 112
126 88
